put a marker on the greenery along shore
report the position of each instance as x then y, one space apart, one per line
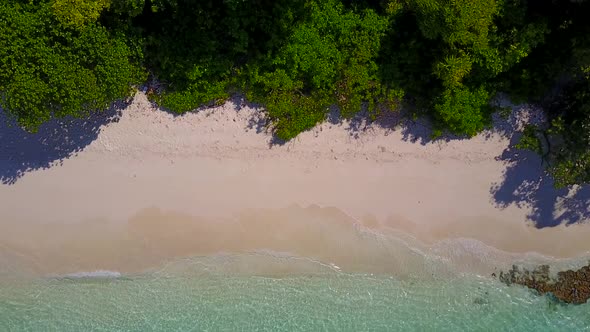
444 59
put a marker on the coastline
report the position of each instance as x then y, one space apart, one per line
188 174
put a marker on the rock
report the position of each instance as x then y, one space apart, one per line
569 286
480 301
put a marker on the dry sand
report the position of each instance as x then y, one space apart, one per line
159 186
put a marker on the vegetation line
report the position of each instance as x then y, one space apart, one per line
442 59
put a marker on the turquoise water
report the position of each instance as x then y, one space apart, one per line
194 296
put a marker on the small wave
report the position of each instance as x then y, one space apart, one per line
98 274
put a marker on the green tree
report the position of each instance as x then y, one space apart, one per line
443 58
454 52
78 13
53 65
569 134
557 76
199 48
329 58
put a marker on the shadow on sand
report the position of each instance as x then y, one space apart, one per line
56 140
526 184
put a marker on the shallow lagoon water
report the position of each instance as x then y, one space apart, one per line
201 294
285 272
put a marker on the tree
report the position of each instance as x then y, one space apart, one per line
453 51
557 75
329 58
54 64
444 58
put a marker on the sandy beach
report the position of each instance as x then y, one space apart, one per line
97 194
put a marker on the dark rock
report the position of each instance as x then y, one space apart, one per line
480 301
569 286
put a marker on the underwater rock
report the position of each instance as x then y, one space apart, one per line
569 286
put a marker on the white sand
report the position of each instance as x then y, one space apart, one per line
212 164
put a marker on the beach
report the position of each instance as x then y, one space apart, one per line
212 193
294 166
221 162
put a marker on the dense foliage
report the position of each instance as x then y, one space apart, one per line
444 59
557 75
55 62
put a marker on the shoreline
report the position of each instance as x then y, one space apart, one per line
326 235
217 163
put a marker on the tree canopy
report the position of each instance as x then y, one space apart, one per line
444 59
55 64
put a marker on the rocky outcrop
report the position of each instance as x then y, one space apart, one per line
569 286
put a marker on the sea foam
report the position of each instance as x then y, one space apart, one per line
102 274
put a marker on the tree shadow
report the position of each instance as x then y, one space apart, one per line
412 130
526 184
56 140
258 120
